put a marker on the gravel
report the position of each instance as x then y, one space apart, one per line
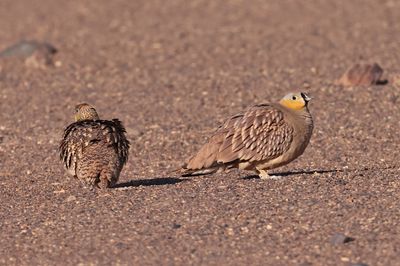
172 71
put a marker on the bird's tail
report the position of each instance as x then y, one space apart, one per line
196 172
185 172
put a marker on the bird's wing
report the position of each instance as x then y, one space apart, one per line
79 135
76 137
260 133
117 138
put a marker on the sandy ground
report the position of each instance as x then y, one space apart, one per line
172 71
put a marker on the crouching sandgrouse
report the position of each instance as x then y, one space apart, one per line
94 150
261 138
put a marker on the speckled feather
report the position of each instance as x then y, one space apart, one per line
95 149
258 134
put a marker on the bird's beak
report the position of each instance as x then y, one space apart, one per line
306 97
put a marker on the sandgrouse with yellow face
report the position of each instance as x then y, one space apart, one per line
261 138
94 150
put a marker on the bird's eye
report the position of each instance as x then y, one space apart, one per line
294 98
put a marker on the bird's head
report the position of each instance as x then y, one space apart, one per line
85 111
295 101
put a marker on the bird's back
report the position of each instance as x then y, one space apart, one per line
91 146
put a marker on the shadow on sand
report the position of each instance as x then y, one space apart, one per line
151 182
299 172
321 171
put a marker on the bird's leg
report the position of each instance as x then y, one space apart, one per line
263 174
106 180
103 183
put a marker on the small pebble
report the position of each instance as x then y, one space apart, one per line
70 198
176 226
339 238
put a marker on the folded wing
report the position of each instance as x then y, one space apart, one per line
258 134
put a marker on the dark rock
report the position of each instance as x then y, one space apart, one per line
362 74
121 245
36 54
27 48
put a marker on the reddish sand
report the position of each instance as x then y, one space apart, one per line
172 71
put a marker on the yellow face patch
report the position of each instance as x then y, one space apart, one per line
295 102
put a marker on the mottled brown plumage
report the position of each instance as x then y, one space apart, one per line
94 150
263 137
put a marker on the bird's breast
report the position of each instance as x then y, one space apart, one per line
302 130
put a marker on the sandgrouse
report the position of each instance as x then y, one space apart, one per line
263 137
94 150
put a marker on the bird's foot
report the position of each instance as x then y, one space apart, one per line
264 175
275 177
